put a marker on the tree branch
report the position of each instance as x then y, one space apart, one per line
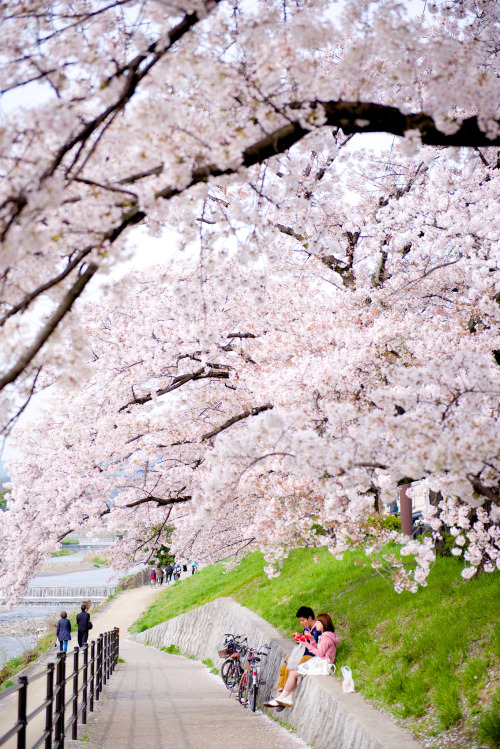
49 327
235 419
161 501
177 382
484 491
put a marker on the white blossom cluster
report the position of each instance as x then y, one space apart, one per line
331 323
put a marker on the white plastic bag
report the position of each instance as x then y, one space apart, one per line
316 667
295 656
347 683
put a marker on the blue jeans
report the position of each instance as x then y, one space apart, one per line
63 645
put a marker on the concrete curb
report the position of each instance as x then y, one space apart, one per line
322 714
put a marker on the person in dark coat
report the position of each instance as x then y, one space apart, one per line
82 621
63 632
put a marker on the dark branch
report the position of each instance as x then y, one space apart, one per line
484 491
160 501
47 330
235 419
178 382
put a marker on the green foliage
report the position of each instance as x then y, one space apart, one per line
172 649
424 657
162 554
318 529
120 660
69 541
7 684
388 522
3 500
61 553
209 664
282 723
489 725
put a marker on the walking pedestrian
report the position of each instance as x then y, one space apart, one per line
84 624
194 566
63 632
159 575
168 572
153 578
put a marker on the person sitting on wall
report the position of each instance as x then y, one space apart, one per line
307 620
325 648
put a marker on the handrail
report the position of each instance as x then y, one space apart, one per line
101 664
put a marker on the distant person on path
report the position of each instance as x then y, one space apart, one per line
153 578
307 620
159 575
194 566
82 622
326 648
168 572
63 632
177 571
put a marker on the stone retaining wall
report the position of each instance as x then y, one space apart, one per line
322 714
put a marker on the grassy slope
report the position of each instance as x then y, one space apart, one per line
431 658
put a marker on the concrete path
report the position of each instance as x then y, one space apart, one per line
163 701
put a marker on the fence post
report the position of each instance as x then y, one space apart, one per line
92 675
22 705
76 661
117 645
50 705
60 700
85 680
105 664
98 685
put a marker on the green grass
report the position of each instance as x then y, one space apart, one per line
489 725
429 658
172 649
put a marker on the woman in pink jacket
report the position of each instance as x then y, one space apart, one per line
326 649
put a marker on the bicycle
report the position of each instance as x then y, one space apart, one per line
234 648
250 681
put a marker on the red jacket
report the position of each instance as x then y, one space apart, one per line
326 647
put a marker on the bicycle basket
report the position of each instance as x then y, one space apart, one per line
226 652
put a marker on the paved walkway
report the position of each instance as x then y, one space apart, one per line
163 701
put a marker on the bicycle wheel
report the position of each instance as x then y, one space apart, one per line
236 676
243 688
226 671
252 696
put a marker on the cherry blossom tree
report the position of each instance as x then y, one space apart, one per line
338 328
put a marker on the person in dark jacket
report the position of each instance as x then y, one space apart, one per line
82 621
63 632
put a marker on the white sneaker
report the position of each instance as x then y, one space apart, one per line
284 701
271 703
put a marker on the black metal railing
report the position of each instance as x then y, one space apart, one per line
85 689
